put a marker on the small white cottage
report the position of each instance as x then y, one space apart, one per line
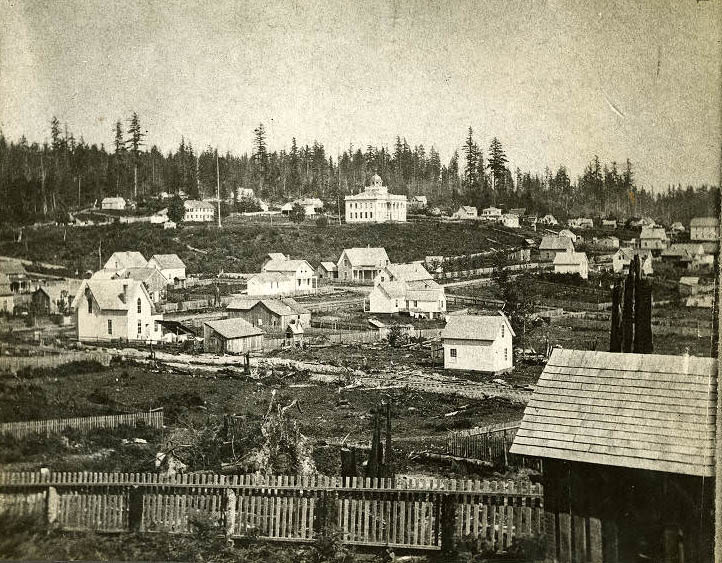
478 343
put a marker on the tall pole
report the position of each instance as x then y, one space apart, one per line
218 190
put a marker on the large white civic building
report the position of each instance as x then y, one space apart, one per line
375 205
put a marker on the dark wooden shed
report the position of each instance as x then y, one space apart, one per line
628 443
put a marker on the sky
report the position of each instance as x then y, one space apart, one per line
557 81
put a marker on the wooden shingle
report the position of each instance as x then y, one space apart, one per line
641 411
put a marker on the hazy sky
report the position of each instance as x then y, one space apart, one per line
557 81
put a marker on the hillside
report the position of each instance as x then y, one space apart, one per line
241 248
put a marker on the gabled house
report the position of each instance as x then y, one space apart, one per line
413 271
300 271
418 202
270 284
270 315
607 243
361 264
548 220
490 214
622 258
196 211
119 309
13 277
55 298
653 238
581 223
273 256
117 203
569 234
153 280
628 447
327 271
172 268
689 285
478 343
704 229
466 212
572 263
128 259
231 336
419 298
689 255
509 220
551 246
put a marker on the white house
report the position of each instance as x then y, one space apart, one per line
572 263
300 271
478 343
548 220
171 266
653 238
551 246
420 298
270 284
581 223
112 203
127 259
509 220
569 234
361 264
466 212
607 243
609 223
623 257
490 214
704 229
198 211
413 271
115 309
375 205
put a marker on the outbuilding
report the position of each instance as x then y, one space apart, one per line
231 336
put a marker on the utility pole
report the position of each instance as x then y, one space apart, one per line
100 260
218 190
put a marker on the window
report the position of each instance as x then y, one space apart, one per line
90 305
155 326
140 306
140 328
452 355
506 354
110 326
260 322
502 331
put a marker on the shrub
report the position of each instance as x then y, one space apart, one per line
72 368
322 222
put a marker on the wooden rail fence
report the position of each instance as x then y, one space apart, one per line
413 513
54 426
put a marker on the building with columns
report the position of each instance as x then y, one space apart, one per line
375 205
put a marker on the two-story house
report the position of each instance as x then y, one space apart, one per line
300 271
653 238
198 211
119 309
361 264
550 246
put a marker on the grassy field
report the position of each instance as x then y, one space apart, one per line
241 248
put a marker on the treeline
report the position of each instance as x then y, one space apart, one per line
47 181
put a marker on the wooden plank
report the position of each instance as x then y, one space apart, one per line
595 540
565 537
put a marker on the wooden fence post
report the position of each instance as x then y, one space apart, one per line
53 505
135 509
230 512
448 524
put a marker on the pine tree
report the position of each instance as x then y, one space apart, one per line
135 141
260 154
497 166
471 172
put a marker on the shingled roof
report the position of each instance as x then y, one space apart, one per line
642 411
234 328
475 327
556 243
367 256
168 261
